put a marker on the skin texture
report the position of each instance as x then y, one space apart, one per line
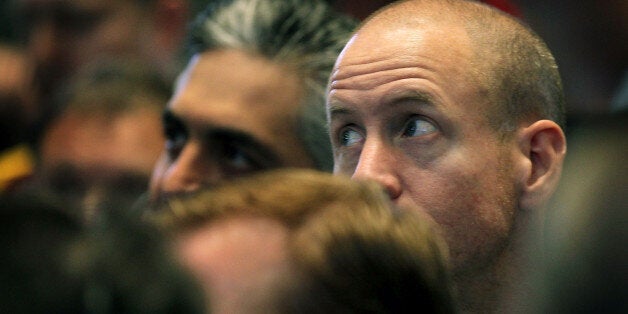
226 123
417 133
406 111
88 140
236 261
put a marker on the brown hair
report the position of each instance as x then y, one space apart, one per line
351 249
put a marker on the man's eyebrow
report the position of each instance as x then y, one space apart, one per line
169 117
399 97
246 141
249 142
336 109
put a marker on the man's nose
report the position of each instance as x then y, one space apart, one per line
189 171
378 163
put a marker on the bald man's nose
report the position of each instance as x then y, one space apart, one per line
188 172
377 163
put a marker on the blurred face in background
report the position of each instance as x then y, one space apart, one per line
61 35
16 96
89 159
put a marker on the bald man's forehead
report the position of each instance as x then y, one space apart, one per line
404 41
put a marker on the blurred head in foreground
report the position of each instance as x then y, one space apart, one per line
300 241
51 263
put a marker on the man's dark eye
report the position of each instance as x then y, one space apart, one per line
176 137
236 159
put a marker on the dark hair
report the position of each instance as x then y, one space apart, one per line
36 236
127 268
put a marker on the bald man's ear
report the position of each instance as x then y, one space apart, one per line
542 148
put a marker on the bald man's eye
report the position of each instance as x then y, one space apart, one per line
418 126
350 137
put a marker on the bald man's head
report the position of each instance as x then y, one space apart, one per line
510 63
449 106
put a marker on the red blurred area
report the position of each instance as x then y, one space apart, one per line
362 9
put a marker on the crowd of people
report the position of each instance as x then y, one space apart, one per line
300 156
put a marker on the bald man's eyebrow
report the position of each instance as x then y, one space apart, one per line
399 97
339 110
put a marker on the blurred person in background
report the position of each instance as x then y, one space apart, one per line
588 39
36 237
252 96
17 107
61 36
582 266
104 143
17 161
362 9
51 263
302 241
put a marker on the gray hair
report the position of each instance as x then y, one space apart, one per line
305 34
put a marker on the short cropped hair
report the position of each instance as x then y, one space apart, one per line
350 249
516 66
304 34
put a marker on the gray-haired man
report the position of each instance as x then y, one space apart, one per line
252 95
